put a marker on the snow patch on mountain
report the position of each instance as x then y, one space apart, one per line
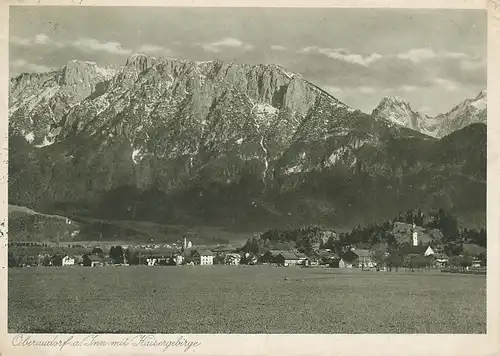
336 156
30 137
46 142
107 73
295 169
137 156
261 109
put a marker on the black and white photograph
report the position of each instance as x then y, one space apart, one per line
246 170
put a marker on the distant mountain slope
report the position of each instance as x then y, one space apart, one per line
28 225
242 146
399 112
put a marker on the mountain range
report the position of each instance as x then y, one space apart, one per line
241 146
399 112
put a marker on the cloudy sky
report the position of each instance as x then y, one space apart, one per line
432 58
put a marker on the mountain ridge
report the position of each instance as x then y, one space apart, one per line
220 143
398 111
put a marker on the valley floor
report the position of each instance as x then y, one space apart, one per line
242 299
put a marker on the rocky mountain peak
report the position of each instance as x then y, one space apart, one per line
399 112
140 61
393 102
482 94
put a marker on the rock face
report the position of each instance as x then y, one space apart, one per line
180 141
468 112
37 102
397 111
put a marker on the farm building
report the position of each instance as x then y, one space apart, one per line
92 261
357 258
283 257
270 256
301 256
203 257
68 261
327 257
288 258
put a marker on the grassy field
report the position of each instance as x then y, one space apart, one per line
243 299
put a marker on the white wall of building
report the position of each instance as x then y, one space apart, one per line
68 261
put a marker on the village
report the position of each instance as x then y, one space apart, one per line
414 255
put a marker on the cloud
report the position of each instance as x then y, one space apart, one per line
447 84
85 44
278 48
21 65
227 42
366 90
408 88
343 55
91 44
20 41
472 64
154 49
39 39
42 39
418 55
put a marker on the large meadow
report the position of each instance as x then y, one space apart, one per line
243 299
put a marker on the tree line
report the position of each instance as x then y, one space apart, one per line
309 239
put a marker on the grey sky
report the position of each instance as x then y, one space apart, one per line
432 58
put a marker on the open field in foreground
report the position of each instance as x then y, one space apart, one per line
243 299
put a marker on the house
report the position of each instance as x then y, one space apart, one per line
301 256
232 259
343 263
313 261
270 256
284 257
203 257
178 259
476 262
440 260
92 261
287 258
429 251
326 257
249 259
357 258
68 261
